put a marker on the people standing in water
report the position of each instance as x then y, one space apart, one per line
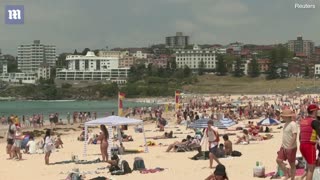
48 146
104 136
68 118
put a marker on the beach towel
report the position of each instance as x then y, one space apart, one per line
133 151
204 143
146 171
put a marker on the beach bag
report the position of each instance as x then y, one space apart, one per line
236 154
138 164
114 168
125 167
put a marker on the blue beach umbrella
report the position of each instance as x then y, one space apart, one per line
268 122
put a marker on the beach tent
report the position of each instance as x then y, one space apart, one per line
268 122
112 121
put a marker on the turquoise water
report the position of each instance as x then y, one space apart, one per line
63 107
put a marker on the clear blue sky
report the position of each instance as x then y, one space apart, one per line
71 24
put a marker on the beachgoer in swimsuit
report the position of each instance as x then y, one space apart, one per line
104 136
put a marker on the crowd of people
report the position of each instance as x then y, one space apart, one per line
303 114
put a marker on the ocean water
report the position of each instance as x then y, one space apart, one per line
62 107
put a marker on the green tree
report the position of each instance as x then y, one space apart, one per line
238 72
186 71
84 52
254 68
149 69
229 60
75 52
272 71
173 64
12 63
160 72
306 71
201 68
61 62
221 66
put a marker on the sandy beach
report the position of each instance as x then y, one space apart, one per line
176 165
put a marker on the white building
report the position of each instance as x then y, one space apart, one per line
317 69
140 55
192 58
22 78
91 67
44 71
31 56
3 65
244 66
222 51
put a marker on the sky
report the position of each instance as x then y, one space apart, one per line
76 24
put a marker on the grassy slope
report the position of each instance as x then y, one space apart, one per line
228 84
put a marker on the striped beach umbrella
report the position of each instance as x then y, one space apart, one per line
268 122
200 123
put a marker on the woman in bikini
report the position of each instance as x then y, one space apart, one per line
104 136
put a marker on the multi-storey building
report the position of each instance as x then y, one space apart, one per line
140 55
113 54
177 41
91 67
192 58
31 56
263 65
301 46
44 71
22 78
3 64
127 61
317 69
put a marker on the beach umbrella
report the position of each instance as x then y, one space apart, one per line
227 122
268 122
200 123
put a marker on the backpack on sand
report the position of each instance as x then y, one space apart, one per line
236 154
138 164
125 167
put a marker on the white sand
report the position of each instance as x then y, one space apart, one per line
178 165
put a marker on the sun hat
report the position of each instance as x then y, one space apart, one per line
287 113
220 170
312 107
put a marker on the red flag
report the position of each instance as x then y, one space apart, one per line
121 96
